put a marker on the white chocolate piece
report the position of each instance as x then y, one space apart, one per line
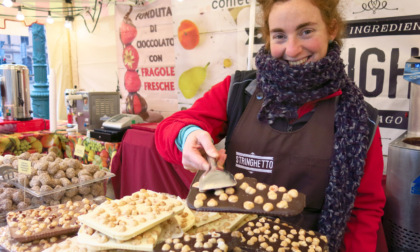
142 242
146 209
226 223
185 219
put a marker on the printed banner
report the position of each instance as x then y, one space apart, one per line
146 59
207 40
381 37
211 42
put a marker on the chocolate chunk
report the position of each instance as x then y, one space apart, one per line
246 190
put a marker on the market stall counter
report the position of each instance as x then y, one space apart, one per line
137 164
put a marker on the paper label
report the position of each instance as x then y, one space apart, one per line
24 167
79 150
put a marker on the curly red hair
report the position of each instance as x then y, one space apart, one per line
329 12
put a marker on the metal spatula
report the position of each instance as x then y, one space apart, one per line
214 178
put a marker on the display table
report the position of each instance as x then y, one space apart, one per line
96 151
138 165
36 124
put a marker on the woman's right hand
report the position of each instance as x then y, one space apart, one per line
196 146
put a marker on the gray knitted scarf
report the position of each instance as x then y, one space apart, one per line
285 89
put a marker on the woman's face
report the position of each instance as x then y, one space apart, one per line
298 33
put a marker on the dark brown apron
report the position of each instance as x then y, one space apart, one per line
298 159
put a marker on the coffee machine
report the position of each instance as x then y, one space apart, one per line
401 220
87 110
70 97
15 92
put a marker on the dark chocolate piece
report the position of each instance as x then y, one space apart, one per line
294 207
47 221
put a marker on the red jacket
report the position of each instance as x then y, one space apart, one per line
209 113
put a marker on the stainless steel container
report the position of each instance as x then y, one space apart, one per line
412 74
15 92
413 119
401 220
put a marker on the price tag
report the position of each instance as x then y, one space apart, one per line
24 166
79 150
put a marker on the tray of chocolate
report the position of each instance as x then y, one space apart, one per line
12 199
11 245
130 216
216 241
143 242
269 234
47 221
248 196
72 245
259 234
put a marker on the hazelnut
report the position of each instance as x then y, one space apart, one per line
212 203
248 205
239 176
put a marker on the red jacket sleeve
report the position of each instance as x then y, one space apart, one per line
208 113
362 228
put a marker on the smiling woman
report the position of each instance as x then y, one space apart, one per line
298 109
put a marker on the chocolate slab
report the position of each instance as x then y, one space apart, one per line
47 221
269 234
201 242
261 234
9 244
295 206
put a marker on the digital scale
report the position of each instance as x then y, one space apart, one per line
114 128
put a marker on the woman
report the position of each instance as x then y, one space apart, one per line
304 125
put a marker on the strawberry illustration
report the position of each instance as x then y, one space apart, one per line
130 57
132 81
127 29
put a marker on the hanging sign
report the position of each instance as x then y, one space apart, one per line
146 60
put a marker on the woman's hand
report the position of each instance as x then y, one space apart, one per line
196 146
